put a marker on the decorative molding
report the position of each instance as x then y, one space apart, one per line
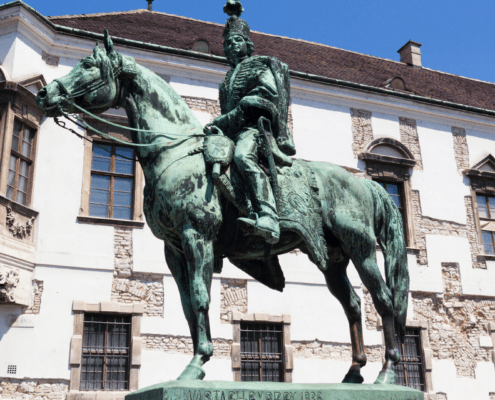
18 208
50 59
108 306
17 230
8 282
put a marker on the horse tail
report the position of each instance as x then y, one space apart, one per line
390 236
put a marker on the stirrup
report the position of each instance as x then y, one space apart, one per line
250 227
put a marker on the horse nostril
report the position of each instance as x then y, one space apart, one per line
42 93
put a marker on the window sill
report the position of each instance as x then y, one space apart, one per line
486 257
82 219
100 395
18 208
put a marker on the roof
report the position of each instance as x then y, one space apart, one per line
305 57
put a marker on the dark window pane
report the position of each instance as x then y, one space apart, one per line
24 168
487 242
16 135
122 213
392 189
101 158
122 199
21 198
99 196
100 182
22 184
482 207
124 153
11 178
96 210
122 185
10 193
491 204
124 167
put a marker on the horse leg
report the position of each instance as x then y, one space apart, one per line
341 288
364 259
178 266
198 252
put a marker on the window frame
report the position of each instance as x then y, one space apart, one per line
402 196
395 170
287 349
21 107
416 333
478 218
112 175
19 156
137 220
87 352
79 308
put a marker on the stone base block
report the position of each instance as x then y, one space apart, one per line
218 390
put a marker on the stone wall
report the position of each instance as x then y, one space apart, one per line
461 150
492 395
184 345
362 132
409 138
233 297
456 322
333 351
33 389
473 234
143 288
123 251
371 316
35 306
209 106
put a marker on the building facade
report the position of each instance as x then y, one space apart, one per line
88 307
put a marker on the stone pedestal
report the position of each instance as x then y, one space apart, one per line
218 390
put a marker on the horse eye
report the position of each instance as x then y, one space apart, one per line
87 64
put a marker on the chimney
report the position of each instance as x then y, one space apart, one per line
411 54
150 7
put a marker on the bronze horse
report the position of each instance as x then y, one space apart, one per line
184 208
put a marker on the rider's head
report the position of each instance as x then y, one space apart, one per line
237 46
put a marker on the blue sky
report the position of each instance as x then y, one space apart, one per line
457 35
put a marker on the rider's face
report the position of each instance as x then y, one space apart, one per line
236 46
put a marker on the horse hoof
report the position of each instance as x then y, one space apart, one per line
353 377
387 377
192 372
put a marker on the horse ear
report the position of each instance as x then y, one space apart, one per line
108 42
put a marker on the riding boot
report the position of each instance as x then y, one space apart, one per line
267 223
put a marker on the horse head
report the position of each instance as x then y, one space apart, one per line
93 83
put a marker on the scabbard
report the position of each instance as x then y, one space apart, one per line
268 153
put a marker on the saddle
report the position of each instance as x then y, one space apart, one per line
298 207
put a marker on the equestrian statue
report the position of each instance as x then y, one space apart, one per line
231 189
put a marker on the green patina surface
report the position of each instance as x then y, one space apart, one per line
280 203
218 390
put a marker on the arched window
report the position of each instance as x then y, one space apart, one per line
388 162
202 46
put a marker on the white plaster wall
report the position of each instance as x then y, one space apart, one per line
446 381
53 328
194 87
385 126
7 50
322 132
441 187
480 144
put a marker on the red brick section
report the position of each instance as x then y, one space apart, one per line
178 32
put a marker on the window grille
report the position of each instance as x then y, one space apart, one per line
21 161
106 352
262 356
410 369
112 182
12 369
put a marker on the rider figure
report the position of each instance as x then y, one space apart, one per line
254 87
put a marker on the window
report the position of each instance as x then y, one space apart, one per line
389 163
396 191
262 352
106 352
112 181
201 46
21 162
410 370
486 212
